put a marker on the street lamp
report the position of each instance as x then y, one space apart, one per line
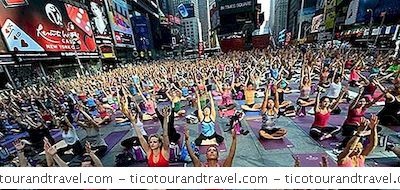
370 23
383 15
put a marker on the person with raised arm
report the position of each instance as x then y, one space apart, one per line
207 118
212 154
269 111
156 147
89 159
323 108
354 153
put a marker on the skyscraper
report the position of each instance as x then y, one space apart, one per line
204 17
280 16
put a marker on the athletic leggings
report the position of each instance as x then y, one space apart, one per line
318 132
172 134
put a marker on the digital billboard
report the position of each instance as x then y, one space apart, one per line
142 32
101 28
235 6
45 26
120 23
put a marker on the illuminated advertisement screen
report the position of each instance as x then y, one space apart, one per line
45 26
101 28
120 23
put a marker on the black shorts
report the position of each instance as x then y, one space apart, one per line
251 105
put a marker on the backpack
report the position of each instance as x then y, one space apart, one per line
184 155
124 159
174 152
4 153
139 154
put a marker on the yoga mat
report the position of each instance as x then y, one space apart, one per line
10 138
56 135
123 124
305 124
313 159
151 122
221 147
394 128
228 113
144 164
383 162
113 138
151 129
255 126
252 113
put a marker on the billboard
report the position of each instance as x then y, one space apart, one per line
101 28
186 10
120 23
235 6
320 4
330 19
45 26
352 12
214 16
142 32
317 22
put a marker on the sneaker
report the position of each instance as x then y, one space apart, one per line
244 132
389 147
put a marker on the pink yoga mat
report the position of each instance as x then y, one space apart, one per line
221 147
255 126
313 159
305 124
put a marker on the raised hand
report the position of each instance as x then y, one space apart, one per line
234 135
324 162
51 150
166 111
373 122
297 162
88 148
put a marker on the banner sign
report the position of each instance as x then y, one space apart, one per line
45 26
235 6
317 21
101 28
120 23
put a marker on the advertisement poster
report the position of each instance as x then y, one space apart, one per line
45 26
320 4
101 28
352 12
317 22
120 23
235 6
330 19
142 32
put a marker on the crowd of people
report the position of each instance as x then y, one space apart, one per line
261 79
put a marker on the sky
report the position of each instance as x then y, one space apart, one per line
265 8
